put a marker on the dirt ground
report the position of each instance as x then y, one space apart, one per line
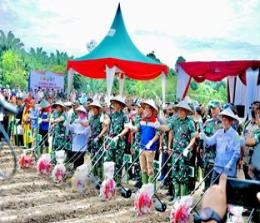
28 197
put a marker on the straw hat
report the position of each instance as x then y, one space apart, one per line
184 105
151 103
60 103
119 99
229 113
95 104
68 104
81 109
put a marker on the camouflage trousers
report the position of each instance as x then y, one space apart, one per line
116 153
180 175
97 158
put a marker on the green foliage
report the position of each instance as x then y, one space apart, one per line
16 63
13 71
9 42
206 92
193 85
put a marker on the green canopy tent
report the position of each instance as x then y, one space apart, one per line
117 54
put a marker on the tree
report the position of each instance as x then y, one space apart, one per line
13 71
9 42
153 56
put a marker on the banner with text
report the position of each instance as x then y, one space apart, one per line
46 80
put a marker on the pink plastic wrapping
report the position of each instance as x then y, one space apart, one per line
108 186
108 189
25 161
58 173
143 199
44 165
181 210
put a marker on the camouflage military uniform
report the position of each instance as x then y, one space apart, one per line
96 128
59 133
68 136
136 147
210 127
165 154
183 132
117 149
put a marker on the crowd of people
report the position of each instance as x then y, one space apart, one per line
190 141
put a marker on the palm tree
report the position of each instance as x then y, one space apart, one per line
9 41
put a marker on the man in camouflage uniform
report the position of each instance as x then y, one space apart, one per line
98 129
57 121
250 129
117 132
183 131
136 144
210 127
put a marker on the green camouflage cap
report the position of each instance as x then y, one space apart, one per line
214 104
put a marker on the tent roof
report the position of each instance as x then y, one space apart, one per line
217 70
117 49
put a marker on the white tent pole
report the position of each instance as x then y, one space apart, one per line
121 84
70 80
163 76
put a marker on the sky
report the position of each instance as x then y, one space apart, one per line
201 30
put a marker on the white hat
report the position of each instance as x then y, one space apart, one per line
59 102
184 105
68 104
229 113
119 99
95 104
81 109
151 103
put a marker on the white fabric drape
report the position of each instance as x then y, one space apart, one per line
110 74
183 80
163 76
252 91
240 96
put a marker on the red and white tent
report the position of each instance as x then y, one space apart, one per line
243 81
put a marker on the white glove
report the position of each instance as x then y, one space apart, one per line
227 168
149 144
186 152
129 125
115 139
96 140
202 135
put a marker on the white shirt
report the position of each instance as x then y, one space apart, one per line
81 136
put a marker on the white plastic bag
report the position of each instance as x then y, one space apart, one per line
79 179
109 169
60 156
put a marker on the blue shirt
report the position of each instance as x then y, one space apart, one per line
148 129
227 148
44 124
34 114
